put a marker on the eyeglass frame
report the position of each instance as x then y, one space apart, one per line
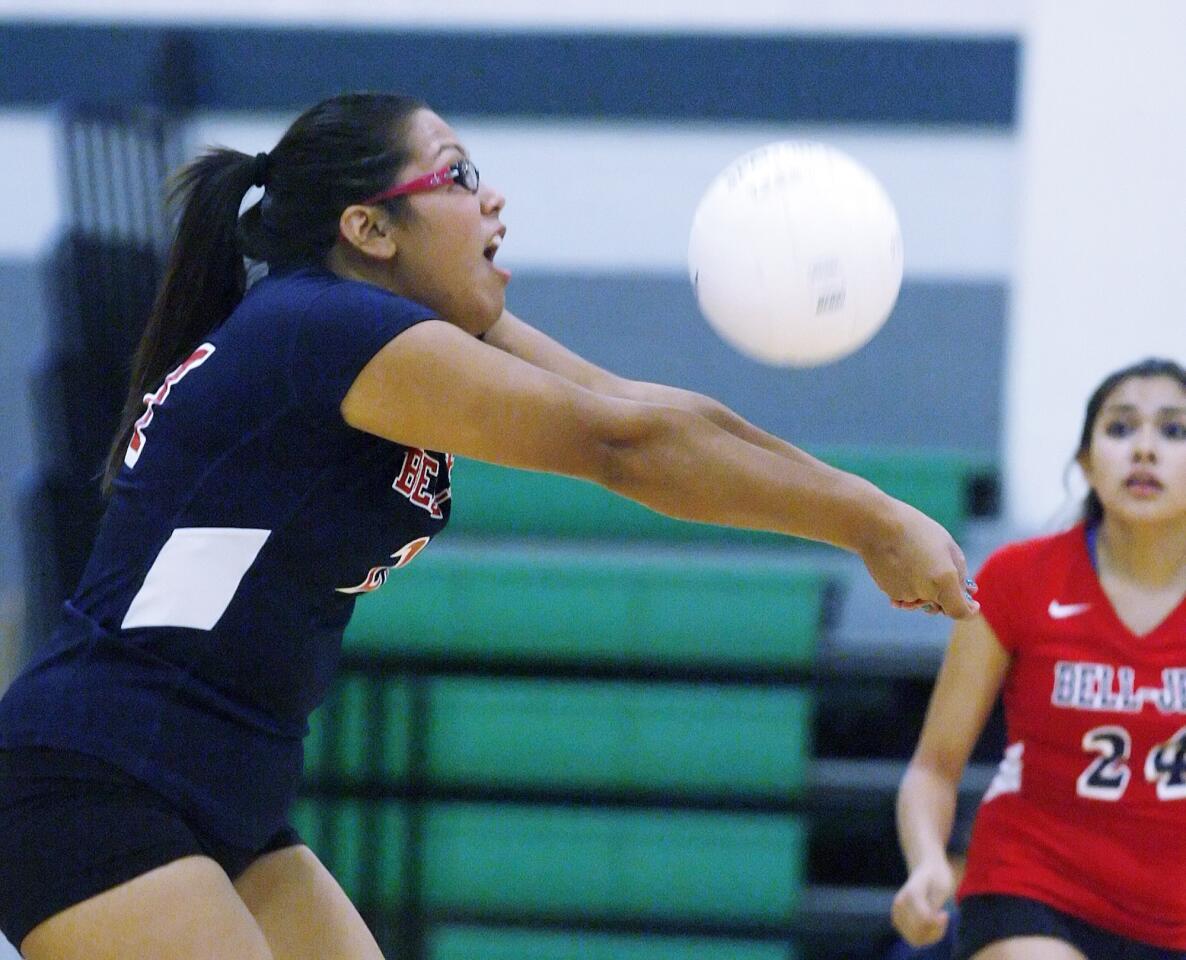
453 173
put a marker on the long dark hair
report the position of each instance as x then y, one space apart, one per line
337 152
1093 510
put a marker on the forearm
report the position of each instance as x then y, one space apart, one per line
926 811
719 414
438 388
531 345
687 466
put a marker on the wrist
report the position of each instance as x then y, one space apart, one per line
873 520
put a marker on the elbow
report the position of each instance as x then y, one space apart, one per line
936 765
627 448
713 410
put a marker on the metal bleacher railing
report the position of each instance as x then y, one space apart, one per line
101 275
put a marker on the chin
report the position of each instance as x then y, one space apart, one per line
492 312
475 313
1142 514
478 319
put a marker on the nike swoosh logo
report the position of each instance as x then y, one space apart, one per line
1060 611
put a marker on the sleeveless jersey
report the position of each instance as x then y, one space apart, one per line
1087 812
245 521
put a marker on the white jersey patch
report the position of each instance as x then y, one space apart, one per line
1008 775
194 577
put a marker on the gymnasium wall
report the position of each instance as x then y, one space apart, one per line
1099 281
602 125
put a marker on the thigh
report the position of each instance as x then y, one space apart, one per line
185 910
301 909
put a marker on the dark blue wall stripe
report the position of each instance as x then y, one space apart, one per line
797 78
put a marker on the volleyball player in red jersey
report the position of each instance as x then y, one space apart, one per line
1079 845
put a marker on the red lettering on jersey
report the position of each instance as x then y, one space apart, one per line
415 476
405 483
447 493
152 400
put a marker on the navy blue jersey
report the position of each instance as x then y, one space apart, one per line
247 518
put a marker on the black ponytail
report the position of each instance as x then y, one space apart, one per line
336 153
204 279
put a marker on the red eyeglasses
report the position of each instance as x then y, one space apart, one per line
463 172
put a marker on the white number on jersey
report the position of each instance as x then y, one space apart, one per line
1166 766
1107 776
152 400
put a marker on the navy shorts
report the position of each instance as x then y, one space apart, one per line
73 826
986 918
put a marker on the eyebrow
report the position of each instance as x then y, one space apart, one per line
451 146
1132 408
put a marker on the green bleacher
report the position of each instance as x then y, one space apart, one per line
547 727
661 865
523 604
699 740
593 736
484 943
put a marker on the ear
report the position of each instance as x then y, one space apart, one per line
368 230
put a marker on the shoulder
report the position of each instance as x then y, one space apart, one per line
326 329
1023 557
315 291
1017 581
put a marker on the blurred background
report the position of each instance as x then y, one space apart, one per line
637 738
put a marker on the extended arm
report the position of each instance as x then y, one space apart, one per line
527 343
965 691
435 386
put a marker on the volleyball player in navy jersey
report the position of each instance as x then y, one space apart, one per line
284 448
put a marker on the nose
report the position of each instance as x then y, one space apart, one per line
492 201
1144 448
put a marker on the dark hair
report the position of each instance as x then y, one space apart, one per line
1093 510
336 153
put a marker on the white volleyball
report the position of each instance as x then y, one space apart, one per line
795 254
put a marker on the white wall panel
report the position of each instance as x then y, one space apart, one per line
30 207
922 16
1100 281
621 197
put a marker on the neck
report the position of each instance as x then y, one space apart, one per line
1153 554
351 266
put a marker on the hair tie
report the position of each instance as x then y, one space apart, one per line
259 170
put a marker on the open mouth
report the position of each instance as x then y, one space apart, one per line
491 250
1143 483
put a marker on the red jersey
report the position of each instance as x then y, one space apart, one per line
1087 812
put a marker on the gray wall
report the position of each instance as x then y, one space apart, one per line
930 378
